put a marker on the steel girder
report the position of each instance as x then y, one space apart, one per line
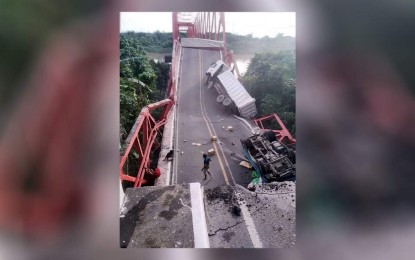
282 133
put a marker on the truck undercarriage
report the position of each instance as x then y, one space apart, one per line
274 160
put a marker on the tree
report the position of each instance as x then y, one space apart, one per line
142 81
270 79
137 82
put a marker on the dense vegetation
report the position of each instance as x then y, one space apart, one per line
142 81
161 42
270 79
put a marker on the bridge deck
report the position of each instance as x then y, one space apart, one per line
201 43
199 117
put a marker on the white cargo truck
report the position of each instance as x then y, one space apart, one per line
231 94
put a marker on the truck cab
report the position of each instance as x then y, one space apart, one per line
215 68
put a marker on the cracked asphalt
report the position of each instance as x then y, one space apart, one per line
161 216
271 207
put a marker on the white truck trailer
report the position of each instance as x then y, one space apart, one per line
231 93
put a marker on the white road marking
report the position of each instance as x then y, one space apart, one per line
200 233
202 102
249 223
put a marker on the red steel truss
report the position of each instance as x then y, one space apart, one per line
146 128
204 25
142 138
282 134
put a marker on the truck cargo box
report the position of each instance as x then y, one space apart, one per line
244 103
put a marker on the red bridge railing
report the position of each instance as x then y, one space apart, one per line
282 134
142 137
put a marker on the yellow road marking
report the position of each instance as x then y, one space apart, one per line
206 121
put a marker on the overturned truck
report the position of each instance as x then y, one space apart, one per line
231 94
274 160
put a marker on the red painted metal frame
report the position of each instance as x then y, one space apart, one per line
148 128
207 25
282 133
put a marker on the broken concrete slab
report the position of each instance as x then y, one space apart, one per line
233 213
154 217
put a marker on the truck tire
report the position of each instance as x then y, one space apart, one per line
248 144
262 168
271 137
220 98
227 102
207 79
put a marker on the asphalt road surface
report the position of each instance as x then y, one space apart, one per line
199 116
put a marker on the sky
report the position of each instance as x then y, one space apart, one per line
259 24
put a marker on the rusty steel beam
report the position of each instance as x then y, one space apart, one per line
282 133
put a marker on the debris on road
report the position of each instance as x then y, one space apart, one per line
229 128
197 144
245 164
211 151
214 138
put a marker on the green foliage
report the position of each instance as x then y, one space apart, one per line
142 81
160 42
270 79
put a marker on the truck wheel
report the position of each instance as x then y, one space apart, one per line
248 144
227 102
220 98
207 79
262 168
270 136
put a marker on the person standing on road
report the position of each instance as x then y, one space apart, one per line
205 168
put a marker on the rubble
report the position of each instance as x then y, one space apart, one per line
245 164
